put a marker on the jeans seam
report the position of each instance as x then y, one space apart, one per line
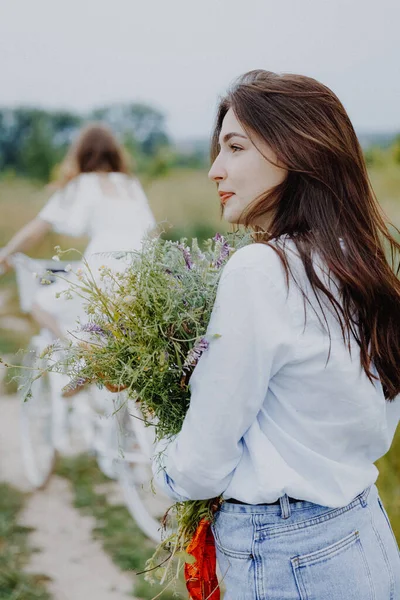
226 552
258 564
324 553
364 559
384 553
298 564
299 580
288 529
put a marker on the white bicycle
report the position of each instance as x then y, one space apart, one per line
94 420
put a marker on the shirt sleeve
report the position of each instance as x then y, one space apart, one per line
144 216
68 211
249 336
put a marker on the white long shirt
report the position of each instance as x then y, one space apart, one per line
269 413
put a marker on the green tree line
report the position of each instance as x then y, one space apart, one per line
33 140
379 155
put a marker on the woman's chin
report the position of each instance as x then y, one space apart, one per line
230 216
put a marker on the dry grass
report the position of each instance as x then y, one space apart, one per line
185 197
386 183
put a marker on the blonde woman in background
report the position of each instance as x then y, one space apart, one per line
96 196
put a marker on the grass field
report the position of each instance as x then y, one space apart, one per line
188 201
15 551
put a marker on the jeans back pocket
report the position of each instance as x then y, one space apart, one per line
338 572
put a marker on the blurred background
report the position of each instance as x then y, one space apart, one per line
154 71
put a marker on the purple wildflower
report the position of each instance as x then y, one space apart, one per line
186 255
194 354
224 250
94 328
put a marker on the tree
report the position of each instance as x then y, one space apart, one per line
38 154
396 149
139 122
32 139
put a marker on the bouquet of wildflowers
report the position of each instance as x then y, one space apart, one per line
147 330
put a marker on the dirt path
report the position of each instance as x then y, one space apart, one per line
77 565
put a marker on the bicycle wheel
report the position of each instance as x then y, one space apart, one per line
135 475
104 427
73 428
38 452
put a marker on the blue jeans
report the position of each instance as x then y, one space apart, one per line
303 551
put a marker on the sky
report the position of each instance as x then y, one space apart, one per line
181 55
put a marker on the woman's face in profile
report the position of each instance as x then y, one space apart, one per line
241 170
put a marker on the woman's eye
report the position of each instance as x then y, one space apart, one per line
235 148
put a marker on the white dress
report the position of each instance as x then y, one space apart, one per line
112 210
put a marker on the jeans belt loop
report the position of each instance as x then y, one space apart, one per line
364 497
285 506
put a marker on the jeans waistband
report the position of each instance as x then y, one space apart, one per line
284 506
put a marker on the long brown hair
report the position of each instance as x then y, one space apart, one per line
326 205
95 150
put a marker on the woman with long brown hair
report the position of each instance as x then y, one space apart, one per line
97 196
295 398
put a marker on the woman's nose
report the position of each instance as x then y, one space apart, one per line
217 171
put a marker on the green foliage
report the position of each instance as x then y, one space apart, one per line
389 483
15 552
200 231
396 150
138 121
161 163
38 154
9 343
375 157
382 153
147 324
32 139
143 132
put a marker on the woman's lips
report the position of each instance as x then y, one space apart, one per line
225 197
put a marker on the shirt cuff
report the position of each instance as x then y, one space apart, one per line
161 478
